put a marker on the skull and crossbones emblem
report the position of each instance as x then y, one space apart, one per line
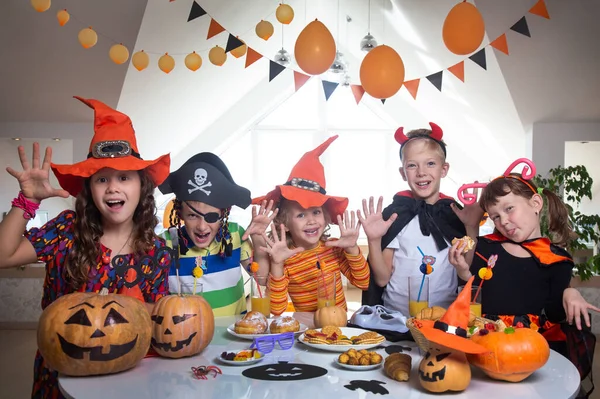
199 182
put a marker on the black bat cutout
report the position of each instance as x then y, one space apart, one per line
397 349
373 386
284 371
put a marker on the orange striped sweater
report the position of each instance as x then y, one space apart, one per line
300 275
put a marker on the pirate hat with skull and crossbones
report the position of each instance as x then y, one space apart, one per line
306 185
205 178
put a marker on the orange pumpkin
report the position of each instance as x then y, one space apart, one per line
330 316
88 334
514 353
443 369
183 325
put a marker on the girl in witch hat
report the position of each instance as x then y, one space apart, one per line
299 250
114 215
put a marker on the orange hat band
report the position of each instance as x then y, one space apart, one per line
112 149
306 184
458 331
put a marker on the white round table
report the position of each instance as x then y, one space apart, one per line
172 378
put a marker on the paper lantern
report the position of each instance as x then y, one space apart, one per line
166 63
118 54
264 30
284 14
40 5
217 55
193 61
63 17
140 60
315 48
240 51
382 72
87 37
463 29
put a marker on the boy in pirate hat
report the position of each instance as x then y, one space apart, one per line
114 215
299 249
211 247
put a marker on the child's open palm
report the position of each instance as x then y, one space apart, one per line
349 230
372 222
276 246
35 180
576 307
261 219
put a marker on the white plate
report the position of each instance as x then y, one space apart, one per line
347 331
231 330
240 363
358 368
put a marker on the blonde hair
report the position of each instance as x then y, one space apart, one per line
283 218
423 135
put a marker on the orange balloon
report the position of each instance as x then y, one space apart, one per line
264 30
166 63
240 51
284 13
382 72
87 37
193 61
315 48
63 17
40 5
217 55
140 60
118 54
463 29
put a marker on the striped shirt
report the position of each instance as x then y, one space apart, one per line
300 275
222 281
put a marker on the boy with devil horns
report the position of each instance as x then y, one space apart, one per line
419 219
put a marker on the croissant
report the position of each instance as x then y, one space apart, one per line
469 243
397 366
433 313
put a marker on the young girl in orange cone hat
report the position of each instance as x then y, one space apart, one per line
298 251
114 215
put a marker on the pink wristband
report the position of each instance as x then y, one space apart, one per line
28 207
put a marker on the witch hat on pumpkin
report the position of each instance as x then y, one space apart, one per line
113 146
306 185
451 329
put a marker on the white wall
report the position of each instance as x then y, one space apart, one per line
578 153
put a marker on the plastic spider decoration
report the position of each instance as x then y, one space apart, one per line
201 372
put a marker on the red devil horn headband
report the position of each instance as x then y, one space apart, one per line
436 135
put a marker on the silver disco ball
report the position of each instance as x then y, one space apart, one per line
283 57
339 64
368 43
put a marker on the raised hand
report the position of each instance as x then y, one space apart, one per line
35 180
576 307
276 246
349 230
372 221
470 215
260 219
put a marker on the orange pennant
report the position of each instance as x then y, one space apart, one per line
412 86
214 29
251 57
540 9
358 92
458 70
500 44
300 79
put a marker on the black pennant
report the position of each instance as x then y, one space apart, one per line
275 69
383 100
479 58
329 88
436 79
521 27
196 12
233 43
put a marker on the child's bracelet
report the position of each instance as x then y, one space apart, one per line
28 207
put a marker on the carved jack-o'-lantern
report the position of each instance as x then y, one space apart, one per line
443 369
87 333
182 325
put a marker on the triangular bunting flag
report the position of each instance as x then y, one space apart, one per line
251 57
540 9
500 44
358 92
383 100
458 70
479 58
275 69
329 88
300 79
436 79
521 27
233 43
214 29
196 12
412 86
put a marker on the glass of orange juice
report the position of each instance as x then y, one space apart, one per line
476 304
260 300
326 290
416 301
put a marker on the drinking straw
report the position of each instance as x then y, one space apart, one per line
482 280
323 278
419 248
423 279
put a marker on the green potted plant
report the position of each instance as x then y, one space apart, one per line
572 184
